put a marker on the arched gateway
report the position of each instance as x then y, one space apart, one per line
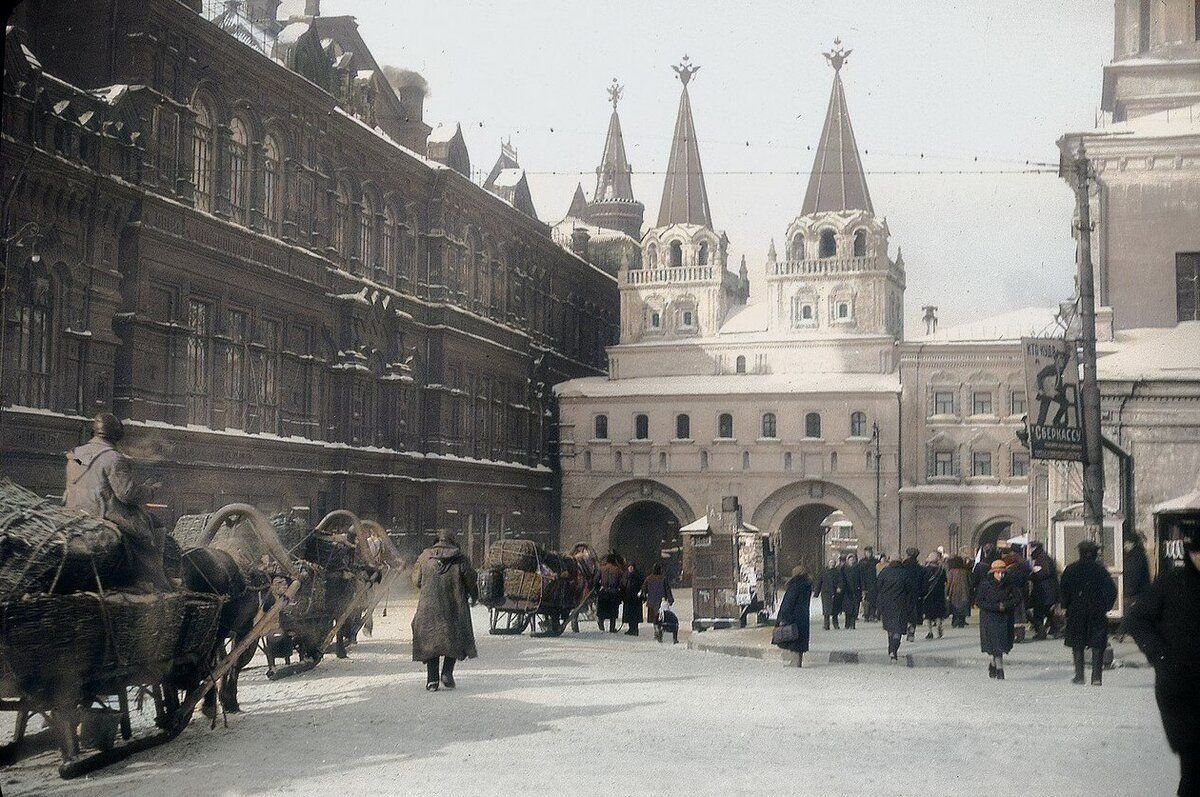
639 518
798 510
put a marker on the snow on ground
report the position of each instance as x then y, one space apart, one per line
608 714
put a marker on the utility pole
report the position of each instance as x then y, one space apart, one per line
878 487
1093 462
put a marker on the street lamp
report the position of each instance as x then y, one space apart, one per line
878 483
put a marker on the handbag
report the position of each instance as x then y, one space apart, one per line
783 634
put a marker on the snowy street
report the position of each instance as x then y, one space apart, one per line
601 713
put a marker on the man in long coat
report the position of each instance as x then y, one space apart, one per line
1165 623
611 591
829 590
1088 592
852 589
442 624
100 482
1043 590
896 596
916 574
867 577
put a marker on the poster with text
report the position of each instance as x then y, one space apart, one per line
1052 384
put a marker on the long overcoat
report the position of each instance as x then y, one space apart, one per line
916 574
442 624
997 602
896 597
1088 592
1043 581
933 601
631 605
958 585
612 585
794 609
829 587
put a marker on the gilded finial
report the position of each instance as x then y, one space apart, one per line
838 55
614 93
685 70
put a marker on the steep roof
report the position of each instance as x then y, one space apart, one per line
578 203
613 174
837 181
684 198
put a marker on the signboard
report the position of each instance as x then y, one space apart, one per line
1052 385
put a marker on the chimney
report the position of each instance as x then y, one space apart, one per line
579 241
930 318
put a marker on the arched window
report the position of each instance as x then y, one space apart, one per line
601 427
768 424
702 254
341 221
387 244
202 157
651 256
653 318
860 243
676 254
843 311
828 244
858 424
683 427
806 312
239 169
366 233
35 338
725 425
739 365
641 427
798 247
272 163
812 425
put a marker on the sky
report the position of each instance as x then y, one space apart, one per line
932 87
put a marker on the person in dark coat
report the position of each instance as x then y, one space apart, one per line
958 590
987 555
896 596
933 596
1088 592
1043 590
441 626
997 600
632 604
794 609
867 575
1136 570
655 588
1165 623
829 589
916 574
852 590
608 598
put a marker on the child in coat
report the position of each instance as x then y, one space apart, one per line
667 623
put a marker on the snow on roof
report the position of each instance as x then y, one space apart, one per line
110 94
443 134
1028 322
1158 353
1184 503
508 178
729 384
570 223
754 316
292 32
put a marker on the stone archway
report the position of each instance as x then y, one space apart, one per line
997 528
802 539
643 532
796 511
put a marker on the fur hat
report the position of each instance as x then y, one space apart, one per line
108 426
998 565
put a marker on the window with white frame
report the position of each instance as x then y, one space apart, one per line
943 462
687 319
943 402
981 402
981 463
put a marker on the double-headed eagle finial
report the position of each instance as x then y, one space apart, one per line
837 56
614 93
685 70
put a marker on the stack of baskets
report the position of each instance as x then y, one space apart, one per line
519 571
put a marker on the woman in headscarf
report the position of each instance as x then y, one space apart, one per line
794 609
442 624
997 599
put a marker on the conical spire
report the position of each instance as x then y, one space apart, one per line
684 199
613 174
578 203
837 181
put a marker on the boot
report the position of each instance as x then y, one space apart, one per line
991 670
835 623
799 659
826 622
1078 654
1097 667
999 673
930 634
939 626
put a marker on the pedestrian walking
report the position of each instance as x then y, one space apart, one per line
655 589
1019 571
829 589
441 627
896 596
1135 570
1165 623
997 600
933 599
1043 590
791 624
983 561
958 590
916 574
851 589
608 599
631 610
867 577
1088 592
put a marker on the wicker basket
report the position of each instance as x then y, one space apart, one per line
513 554
44 546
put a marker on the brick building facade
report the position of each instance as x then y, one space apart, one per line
225 229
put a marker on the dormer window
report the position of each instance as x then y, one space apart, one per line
676 254
860 243
828 244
